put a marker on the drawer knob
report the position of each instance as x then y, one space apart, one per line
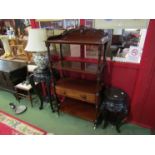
64 93
83 97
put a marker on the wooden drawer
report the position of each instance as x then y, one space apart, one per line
83 96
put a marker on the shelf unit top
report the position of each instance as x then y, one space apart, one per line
80 35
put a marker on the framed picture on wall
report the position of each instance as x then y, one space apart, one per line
89 23
59 24
71 23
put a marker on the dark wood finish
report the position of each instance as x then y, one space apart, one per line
11 73
78 89
152 131
85 93
23 93
77 67
80 109
40 77
114 108
10 66
80 36
78 59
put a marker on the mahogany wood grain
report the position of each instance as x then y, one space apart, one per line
84 93
79 109
78 89
82 36
76 67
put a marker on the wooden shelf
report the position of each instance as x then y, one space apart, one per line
81 67
79 109
78 84
79 59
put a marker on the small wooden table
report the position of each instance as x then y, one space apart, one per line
45 77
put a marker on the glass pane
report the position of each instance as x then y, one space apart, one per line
127 45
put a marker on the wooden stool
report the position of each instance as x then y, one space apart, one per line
24 90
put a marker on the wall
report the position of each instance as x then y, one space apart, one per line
122 75
120 23
143 111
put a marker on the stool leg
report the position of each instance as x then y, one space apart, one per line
57 101
118 128
98 120
17 96
36 91
30 97
105 124
119 122
105 118
48 84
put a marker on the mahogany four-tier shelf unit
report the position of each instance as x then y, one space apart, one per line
82 96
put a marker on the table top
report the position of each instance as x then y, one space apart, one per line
10 66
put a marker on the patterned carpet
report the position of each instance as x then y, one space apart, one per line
9 125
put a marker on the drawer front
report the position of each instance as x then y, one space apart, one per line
91 98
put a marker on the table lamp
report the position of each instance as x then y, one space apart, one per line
36 45
6 46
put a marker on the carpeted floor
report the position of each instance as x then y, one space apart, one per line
65 124
10 125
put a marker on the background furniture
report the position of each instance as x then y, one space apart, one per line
1 48
13 49
24 90
11 73
114 108
18 45
8 55
43 77
82 96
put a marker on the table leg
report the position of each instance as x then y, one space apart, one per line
48 84
16 95
30 97
36 91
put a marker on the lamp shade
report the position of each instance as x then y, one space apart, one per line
36 40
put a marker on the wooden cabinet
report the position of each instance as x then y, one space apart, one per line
11 73
82 96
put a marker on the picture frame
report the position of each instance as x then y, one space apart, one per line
59 24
